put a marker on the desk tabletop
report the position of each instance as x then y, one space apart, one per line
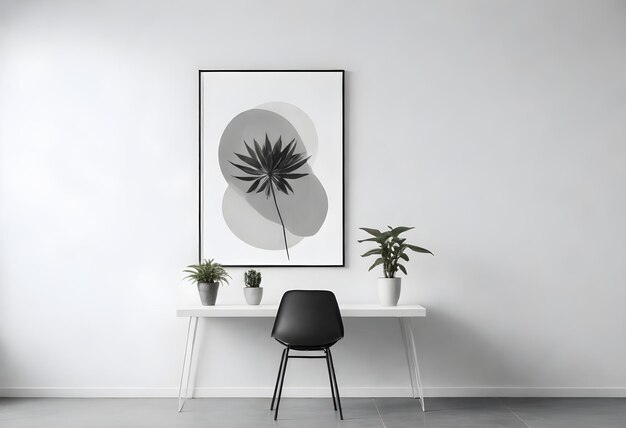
262 311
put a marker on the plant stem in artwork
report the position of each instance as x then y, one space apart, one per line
270 168
281 220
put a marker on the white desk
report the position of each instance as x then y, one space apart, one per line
403 313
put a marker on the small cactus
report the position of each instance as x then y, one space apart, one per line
252 278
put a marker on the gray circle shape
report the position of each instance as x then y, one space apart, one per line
303 211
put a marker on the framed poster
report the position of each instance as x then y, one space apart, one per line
271 167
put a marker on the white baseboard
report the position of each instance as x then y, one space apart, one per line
524 392
204 392
199 392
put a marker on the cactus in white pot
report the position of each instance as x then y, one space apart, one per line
253 292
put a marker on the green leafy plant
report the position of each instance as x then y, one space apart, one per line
270 168
252 278
207 271
390 250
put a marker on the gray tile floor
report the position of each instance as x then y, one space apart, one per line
314 412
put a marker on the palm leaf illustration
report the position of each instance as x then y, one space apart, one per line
269 169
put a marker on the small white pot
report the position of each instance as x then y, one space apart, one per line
253 295
389 291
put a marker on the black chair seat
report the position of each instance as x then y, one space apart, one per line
307 347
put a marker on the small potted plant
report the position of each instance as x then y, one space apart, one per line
252 291
208 275
390 250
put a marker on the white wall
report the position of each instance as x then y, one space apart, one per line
497 128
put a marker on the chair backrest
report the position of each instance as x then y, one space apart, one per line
308 318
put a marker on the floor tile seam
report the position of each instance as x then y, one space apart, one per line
514 413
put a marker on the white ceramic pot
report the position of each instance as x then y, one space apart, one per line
389 291
253 295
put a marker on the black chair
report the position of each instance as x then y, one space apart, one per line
307 320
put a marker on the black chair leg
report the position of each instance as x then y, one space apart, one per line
330 378
280 369
282 381
332 368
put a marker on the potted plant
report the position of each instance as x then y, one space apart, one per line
252 292
208 275
390 250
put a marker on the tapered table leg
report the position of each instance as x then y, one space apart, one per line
407 353
408 327
182 396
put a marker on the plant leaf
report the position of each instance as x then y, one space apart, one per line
292 159
280 185
368 239
374 232
385 235
291 151
398 230
285 153
250 161
418 249
285 183
259 155
247 169
254 186
277 148
403 269
295 166
371 252
267 152
250 151
263 186
379 261
269 189
293 176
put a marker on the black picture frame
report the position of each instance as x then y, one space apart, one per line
201 189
